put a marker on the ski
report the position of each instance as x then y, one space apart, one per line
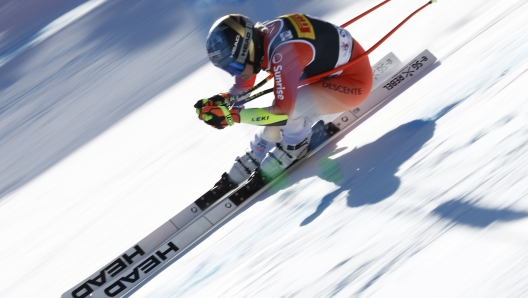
138 264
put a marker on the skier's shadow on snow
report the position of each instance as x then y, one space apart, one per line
466 212
368 173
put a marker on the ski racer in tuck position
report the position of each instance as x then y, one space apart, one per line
292 48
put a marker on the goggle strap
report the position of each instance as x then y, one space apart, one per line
248 37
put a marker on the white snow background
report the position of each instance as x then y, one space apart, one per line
99 145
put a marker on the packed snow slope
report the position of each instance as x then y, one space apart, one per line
99 145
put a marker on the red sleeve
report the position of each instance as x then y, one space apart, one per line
242 85
287 64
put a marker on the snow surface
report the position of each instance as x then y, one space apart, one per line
99 145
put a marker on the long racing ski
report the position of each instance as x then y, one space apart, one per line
129 271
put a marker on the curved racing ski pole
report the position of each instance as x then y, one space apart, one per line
364 14
233 101
326 74
235 98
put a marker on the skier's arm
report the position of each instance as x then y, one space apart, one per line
242 85
221 117
288 62
261 117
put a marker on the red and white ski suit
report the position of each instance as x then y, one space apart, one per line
297 47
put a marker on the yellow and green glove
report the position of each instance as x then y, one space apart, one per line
213 112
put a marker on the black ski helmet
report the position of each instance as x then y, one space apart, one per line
233 38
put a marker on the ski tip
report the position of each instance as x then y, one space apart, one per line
432 1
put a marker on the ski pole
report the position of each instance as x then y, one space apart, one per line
364 14
234 98
246 100
326 74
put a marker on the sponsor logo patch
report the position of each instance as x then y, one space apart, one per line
245 45
277 58
259 119
138 272
235 46
105 275
279 88
277 69
346 49
287 35
343 89
302 25
214 55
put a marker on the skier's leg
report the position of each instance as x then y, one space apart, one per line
296 130
327 97
263 141
339 94
294 145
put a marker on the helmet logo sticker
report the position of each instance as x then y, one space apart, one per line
235 46
214 55
245 45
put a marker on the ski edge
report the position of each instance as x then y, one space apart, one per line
223 208
140 255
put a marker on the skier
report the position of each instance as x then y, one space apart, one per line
291 48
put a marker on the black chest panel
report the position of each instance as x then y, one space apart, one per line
323 36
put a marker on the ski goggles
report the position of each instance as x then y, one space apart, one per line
234 68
